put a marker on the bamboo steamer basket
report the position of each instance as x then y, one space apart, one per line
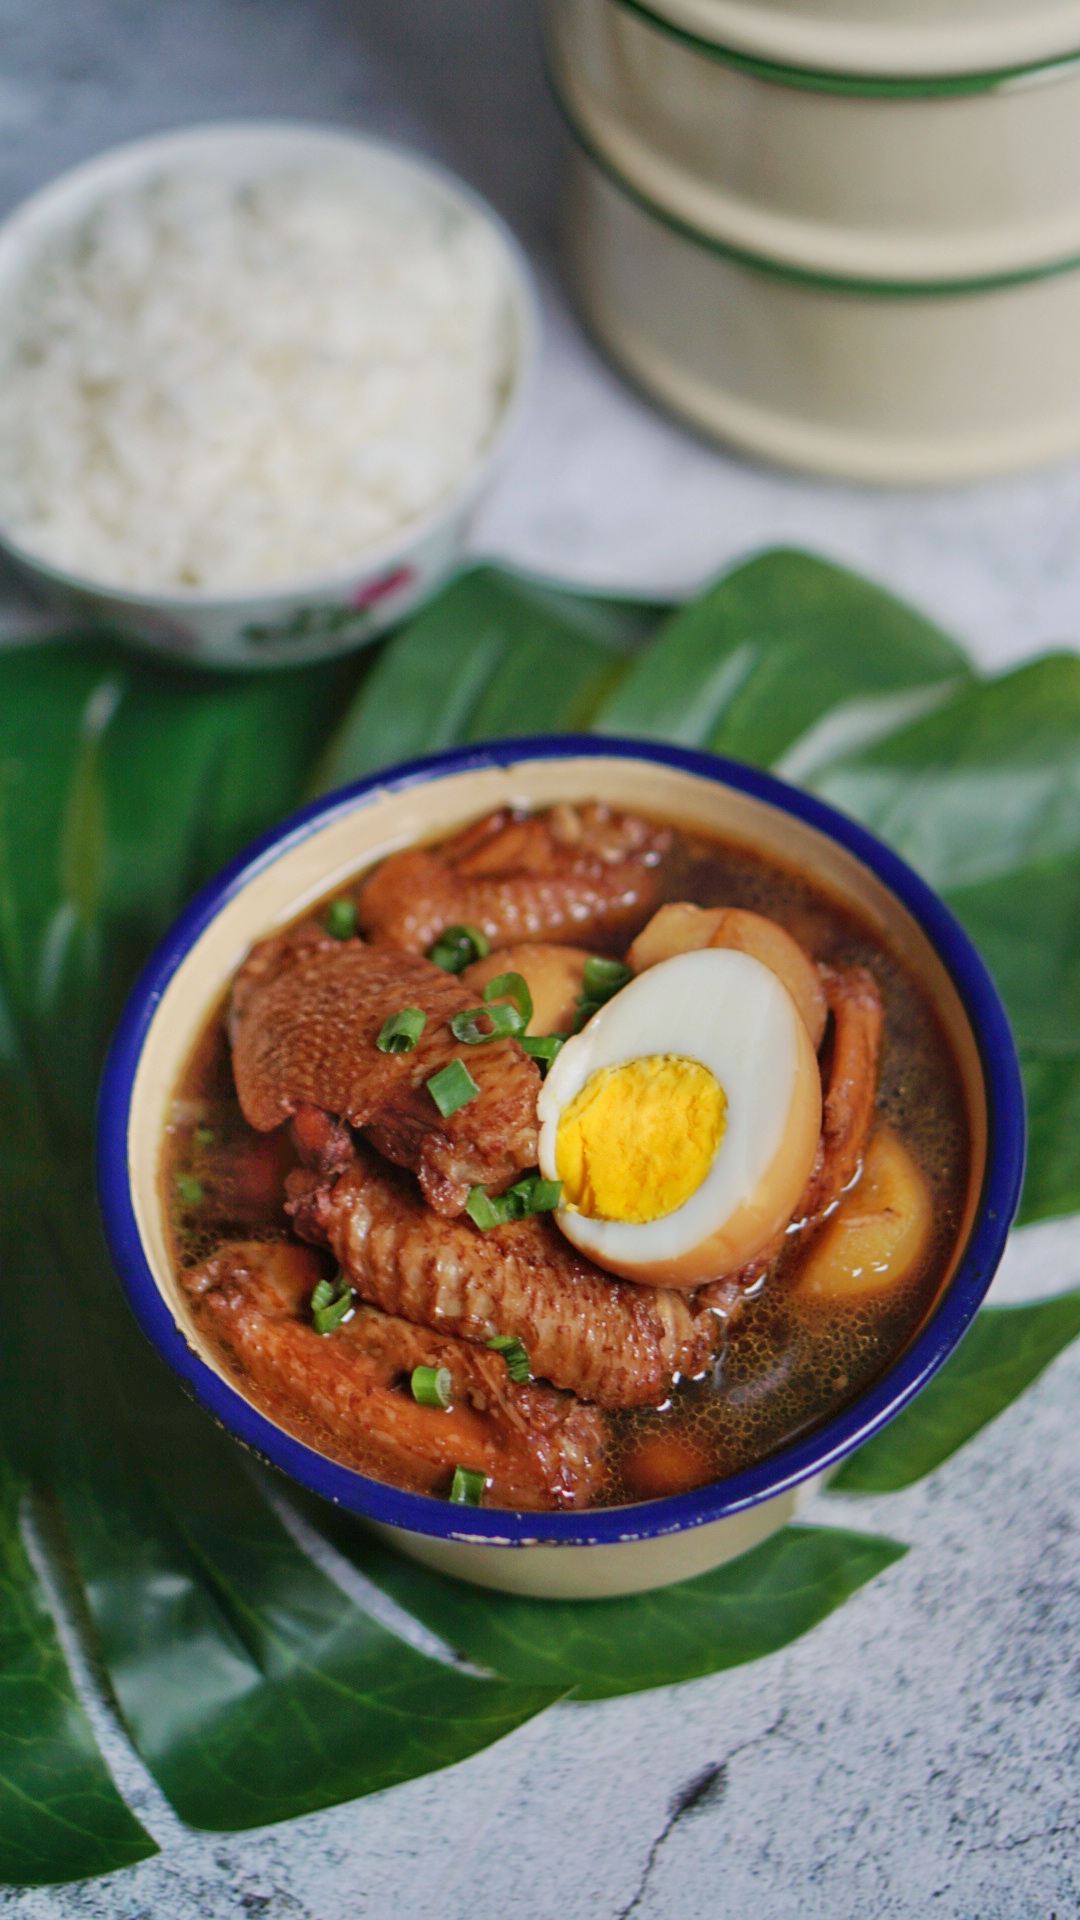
905 184
931 383
928 38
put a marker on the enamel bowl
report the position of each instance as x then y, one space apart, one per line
310 618
601 1552
896 383
849 178
932 39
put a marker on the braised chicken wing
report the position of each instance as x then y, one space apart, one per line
848 1108
570 874
347 1392
609 1341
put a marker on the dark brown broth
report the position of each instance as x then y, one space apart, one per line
788 1363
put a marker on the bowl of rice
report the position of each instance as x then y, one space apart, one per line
253 380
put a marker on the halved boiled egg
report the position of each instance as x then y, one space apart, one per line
683 1121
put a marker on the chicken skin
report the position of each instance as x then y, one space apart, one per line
571 874
305 1016
347 1392
608 1341
850 1094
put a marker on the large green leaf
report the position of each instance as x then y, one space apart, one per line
1052 1182
983 796
253 1689
739 1612
792 663
491 657
983 787
1026 925
251 1684
122 789
1004 1350
61 1817
784 650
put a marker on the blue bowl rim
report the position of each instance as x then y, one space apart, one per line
813 1454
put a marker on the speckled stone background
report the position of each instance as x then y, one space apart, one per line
917 1754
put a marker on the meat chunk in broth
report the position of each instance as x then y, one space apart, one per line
533 1446
572 874
609 1341
306 1015
855 1004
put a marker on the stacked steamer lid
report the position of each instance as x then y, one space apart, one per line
841 234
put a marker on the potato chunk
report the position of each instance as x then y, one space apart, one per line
554 976
878 1233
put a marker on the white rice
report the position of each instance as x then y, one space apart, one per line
212 386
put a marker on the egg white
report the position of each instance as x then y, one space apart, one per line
726 1010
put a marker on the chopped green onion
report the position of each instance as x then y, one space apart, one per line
544 1195
483 1211
457 947
452 1087
341 919
543 1047
467 1487
604 977
401 1032
515 1355
515 987
532 1195
432 1386
190 1190
501 1020
601 981
331 1302
205 1136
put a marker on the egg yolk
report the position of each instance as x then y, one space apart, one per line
639 1138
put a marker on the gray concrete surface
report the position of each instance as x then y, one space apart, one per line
917 1753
